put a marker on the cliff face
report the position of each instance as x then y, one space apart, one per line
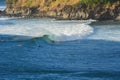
63 9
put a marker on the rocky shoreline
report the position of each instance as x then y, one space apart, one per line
68 12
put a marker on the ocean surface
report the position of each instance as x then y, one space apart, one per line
2 5
48 49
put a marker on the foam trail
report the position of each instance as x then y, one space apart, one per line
53 30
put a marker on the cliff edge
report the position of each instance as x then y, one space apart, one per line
65 9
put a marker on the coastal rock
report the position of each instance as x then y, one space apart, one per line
106 15
82 15
26 11
118 18
65 15
78 12
51 13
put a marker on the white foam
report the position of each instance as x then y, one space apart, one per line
2 8
89 21
107 32
56 32
71 33
5 18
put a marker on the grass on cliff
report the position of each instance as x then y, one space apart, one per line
97 1
11 1
93 3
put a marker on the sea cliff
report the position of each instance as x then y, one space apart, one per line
65 9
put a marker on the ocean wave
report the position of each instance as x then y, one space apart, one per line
53 32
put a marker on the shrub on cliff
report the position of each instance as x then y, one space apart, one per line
11 1
97 1
50 4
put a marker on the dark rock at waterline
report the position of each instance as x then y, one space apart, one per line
0 12
3 13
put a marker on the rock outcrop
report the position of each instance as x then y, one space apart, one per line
77 12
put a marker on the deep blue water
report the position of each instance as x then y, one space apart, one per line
94 57
2 2
85 59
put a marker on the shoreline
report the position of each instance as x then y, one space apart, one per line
39 17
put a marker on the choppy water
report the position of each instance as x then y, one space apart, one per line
46 49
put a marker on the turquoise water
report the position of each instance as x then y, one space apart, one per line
48 49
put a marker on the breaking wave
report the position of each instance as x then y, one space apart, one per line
54 32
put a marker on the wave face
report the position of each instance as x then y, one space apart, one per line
55 30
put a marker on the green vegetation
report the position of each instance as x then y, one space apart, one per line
54 3
97 1
65 9
11 1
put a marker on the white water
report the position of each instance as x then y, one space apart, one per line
22 29
108 32
56 31
6 18
70 33
2 8
73 21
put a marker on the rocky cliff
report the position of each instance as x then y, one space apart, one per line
63 9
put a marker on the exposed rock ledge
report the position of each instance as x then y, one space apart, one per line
100 12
